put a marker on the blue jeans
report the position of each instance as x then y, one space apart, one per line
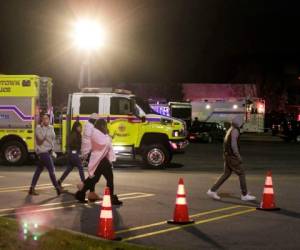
44 160
73 160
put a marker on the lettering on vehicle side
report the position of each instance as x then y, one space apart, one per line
121 135
5 89
10 83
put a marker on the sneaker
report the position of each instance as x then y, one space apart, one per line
80 196
115 200
248 197
32 191
92 197
213 195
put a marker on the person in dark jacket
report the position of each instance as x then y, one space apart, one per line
74 153
232 162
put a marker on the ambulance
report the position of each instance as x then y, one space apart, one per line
134 130
223 110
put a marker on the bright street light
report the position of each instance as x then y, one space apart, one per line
88 35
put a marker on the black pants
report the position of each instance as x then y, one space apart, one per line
104 168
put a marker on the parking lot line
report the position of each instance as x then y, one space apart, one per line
74 203
189 225
192 216
40 185
26 188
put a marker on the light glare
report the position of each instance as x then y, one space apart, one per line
88 35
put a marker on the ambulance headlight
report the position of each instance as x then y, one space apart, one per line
175 133
178 133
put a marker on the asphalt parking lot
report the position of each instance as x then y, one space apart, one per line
149 197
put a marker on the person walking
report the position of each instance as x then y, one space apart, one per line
45 138
74 153
86 148
100 162
232 162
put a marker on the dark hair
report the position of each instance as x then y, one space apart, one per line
45 114
91 120
101 125
75 126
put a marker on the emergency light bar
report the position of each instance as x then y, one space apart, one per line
123 91
96 90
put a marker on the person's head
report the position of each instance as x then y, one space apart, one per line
238 121
101 125
77 127
93 118
196 118
45 120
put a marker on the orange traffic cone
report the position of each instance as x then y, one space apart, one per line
106 227
268 200
181 214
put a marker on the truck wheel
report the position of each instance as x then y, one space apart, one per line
156 155
14 153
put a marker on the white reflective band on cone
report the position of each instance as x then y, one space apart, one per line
106 214
269 181
268 191
180 189
180 201
106 201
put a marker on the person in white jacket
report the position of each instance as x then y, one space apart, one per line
232 161
102 157
86 148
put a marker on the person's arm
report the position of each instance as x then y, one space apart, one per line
40 137
53 136
234 143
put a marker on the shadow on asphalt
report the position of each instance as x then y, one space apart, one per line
288 213
198 233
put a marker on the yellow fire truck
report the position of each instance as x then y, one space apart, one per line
135 130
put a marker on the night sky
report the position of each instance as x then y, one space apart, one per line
155 41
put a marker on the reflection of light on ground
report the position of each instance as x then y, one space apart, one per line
32 224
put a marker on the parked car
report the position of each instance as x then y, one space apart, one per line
207 132
291 131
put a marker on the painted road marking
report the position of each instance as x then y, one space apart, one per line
11 211
46 184
190 225
191 216
26 188
137 195
2 176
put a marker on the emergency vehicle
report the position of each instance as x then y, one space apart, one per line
180 110
134 131
222 110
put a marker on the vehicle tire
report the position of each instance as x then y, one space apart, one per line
14 153
156 155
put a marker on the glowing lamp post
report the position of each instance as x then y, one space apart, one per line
88 36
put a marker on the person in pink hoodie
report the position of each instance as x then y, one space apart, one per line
101 159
